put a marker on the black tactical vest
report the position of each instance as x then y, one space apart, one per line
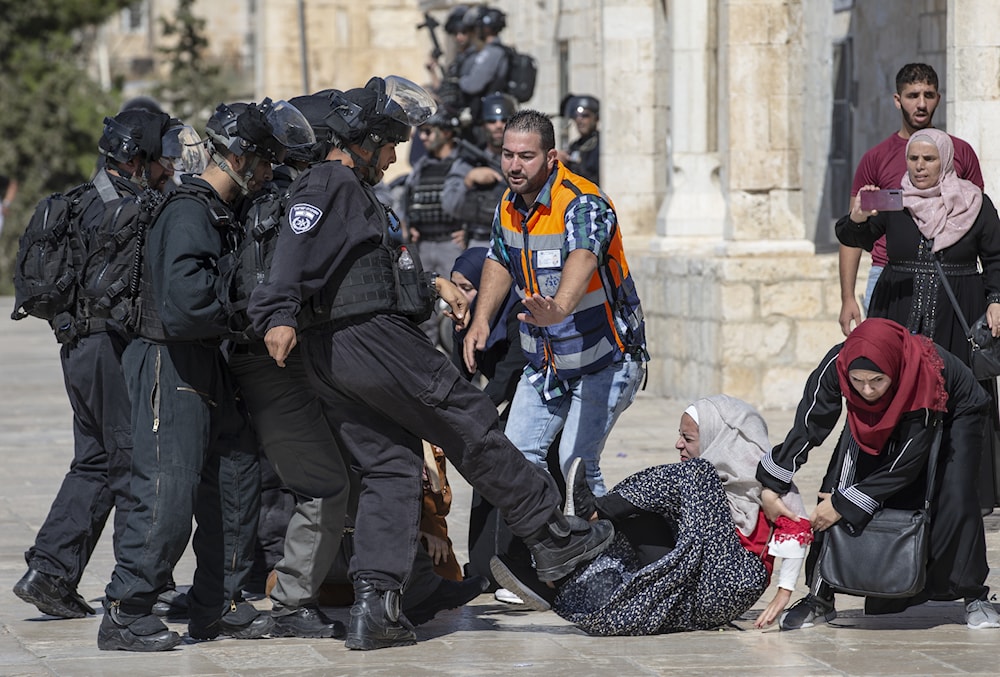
424 212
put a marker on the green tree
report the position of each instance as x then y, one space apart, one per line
51 111
197 83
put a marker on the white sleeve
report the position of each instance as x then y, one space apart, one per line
788 572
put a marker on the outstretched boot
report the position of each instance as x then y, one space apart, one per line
567 542
376 620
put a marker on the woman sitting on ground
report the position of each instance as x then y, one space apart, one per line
898 388
693 548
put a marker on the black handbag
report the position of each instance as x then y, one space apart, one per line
984 349
888 558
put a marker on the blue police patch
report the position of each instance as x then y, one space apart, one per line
303 217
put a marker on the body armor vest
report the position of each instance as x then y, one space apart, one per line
381 278
425 212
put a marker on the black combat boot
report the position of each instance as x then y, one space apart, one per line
52 595
567 542
376 620
133 632
240 621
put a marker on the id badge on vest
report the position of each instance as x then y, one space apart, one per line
548 270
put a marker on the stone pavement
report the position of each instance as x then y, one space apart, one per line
484 638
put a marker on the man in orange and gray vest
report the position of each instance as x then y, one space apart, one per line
556 238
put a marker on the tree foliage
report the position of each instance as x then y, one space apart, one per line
196 83
52 111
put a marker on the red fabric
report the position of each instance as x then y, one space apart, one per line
786 529
756 542
913 364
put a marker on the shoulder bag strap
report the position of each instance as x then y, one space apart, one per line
954 301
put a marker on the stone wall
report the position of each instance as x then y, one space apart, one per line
973 72
750 326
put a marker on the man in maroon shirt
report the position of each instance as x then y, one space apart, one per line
884 165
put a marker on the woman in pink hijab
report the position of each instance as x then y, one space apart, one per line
945 218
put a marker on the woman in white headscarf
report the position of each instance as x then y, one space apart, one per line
693 548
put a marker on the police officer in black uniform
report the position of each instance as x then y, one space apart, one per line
293 432
444 81
90 355
475 183
584 155
437 235
384 385
486 70
191 453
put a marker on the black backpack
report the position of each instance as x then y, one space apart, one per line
49 256
522 70
110 275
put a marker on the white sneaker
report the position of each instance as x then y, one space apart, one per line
980 614
507 597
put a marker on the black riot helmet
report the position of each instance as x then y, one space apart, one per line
453 24
574 105
492 20
497 106
381 112
133 133
267 131
443 120
316 108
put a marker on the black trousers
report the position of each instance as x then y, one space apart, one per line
193 456
296 438
102 449
386 388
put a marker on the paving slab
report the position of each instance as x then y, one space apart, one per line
484 638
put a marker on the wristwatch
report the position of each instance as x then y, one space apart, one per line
432 279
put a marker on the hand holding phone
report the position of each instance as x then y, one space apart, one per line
882 200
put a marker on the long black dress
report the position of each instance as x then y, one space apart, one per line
909 290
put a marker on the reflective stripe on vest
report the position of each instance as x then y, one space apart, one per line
608 320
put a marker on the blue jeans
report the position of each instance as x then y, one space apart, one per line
585 415
873 276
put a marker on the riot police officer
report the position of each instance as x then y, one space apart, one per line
486 71
191 455
584 154
383 384
90 355
475 183
437 235
294 435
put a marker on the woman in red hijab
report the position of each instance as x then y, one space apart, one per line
898 387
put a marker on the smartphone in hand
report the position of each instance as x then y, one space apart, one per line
882 200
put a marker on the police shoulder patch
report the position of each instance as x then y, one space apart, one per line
303 217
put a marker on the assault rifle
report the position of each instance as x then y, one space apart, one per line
430 23
477 156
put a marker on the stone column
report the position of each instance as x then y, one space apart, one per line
735 298
973 79
695 206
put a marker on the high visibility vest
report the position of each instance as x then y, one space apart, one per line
608 323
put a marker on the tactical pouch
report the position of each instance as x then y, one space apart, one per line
413 296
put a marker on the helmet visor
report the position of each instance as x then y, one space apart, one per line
183 150
415 102
289 126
